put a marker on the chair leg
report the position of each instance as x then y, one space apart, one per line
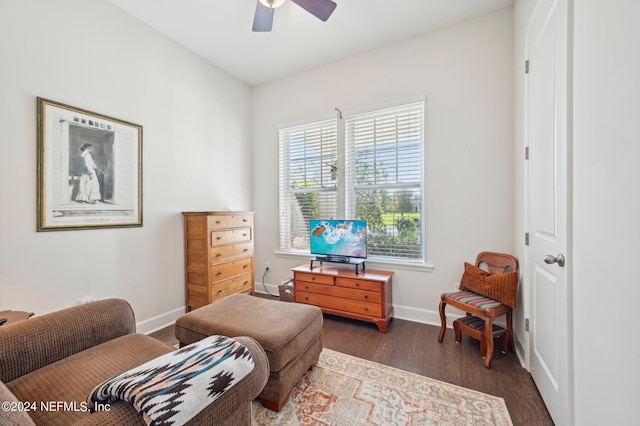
443 321
488 325
504 342
457 332
512 345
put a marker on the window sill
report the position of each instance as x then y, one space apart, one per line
373 263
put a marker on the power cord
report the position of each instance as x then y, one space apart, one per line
265 286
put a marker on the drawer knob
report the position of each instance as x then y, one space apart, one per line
244 235
217 221
366 309
219 273
306 298
245 266
313 278
219 255
357 284
246 249
218 238
219 291
306 287
366 296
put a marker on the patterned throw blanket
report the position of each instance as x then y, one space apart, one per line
173 388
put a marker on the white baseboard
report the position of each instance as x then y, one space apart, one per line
160 321
520 352
424 316
272 288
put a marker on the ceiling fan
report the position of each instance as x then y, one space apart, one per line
263 19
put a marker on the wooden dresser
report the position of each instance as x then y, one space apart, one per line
340 291
218 249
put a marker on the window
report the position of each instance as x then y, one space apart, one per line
374 172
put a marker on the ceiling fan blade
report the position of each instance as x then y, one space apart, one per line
263 19
321 9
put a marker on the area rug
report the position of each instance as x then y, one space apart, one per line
345 390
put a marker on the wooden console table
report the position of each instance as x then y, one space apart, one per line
15 316
365 296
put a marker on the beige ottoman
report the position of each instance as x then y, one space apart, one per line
290 334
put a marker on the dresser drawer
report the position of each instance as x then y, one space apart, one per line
359 284
226 253
241 284
346 293
230 236
346 305
313 278
223 271
230 221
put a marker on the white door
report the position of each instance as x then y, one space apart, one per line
546 48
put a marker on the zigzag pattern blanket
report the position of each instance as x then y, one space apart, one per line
158 389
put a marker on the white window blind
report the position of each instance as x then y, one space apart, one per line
384 176
308 182
382 181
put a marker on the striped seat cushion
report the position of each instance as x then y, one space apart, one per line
473 299
477 323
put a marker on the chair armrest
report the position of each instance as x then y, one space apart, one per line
11 417
232 408
239 397
42 340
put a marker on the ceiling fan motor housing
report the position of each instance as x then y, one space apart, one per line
272 3
263 19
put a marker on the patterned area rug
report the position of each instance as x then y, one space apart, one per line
345 390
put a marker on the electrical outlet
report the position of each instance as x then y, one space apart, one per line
456 286
267 265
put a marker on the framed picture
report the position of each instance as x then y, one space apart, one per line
89 169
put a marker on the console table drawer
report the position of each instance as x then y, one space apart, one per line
359 284
313 278
346 293
347 305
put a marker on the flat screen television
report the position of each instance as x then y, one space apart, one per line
344 238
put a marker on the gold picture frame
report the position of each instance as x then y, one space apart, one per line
89 169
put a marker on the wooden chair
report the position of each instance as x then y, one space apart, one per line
474 304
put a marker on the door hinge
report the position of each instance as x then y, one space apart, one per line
526 238
526 66
526 152
526 324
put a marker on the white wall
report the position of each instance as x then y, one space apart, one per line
466 72
606 202
604 222
196 122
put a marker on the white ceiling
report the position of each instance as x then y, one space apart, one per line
220 30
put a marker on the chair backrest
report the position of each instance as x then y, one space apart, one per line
496 262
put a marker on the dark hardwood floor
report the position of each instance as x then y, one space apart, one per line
414 347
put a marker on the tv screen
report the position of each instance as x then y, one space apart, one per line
332 237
